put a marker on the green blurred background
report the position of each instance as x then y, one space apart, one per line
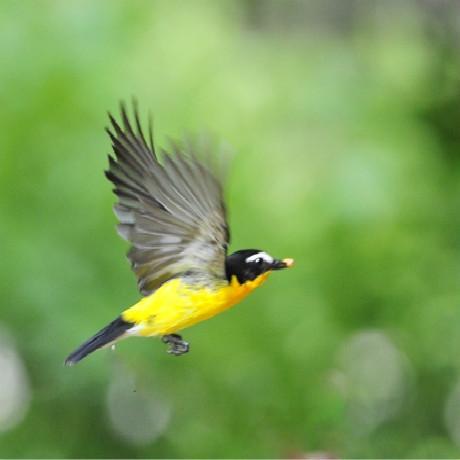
344 118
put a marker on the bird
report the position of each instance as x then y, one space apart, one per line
170 208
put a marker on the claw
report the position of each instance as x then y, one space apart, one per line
177 346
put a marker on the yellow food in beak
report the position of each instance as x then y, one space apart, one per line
288 262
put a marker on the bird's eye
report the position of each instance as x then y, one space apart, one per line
259 260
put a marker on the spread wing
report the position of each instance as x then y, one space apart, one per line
171 209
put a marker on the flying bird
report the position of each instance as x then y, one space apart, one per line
172 211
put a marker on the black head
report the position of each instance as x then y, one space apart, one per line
248 264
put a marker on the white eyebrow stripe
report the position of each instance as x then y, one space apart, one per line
262 255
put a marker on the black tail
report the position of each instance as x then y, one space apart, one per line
106 335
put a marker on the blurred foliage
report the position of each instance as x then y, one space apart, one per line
344 119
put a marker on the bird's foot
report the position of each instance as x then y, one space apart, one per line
177 346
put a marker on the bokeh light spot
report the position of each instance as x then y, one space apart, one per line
14 384
452 414
375 378
137 416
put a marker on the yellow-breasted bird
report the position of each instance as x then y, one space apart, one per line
171 210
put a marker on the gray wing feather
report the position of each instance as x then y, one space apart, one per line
171 211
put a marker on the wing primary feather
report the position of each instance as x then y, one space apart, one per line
152 145
170 208
168 184
138 144
121 139
184 172
201 177
122 149
157 216
119 176
124 214
116 169
171 163
138 122
122 153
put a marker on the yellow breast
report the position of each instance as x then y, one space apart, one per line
177 304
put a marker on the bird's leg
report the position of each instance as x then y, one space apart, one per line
177 346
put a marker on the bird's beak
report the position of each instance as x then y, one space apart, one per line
280 264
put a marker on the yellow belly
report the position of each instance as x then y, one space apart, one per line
177 305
